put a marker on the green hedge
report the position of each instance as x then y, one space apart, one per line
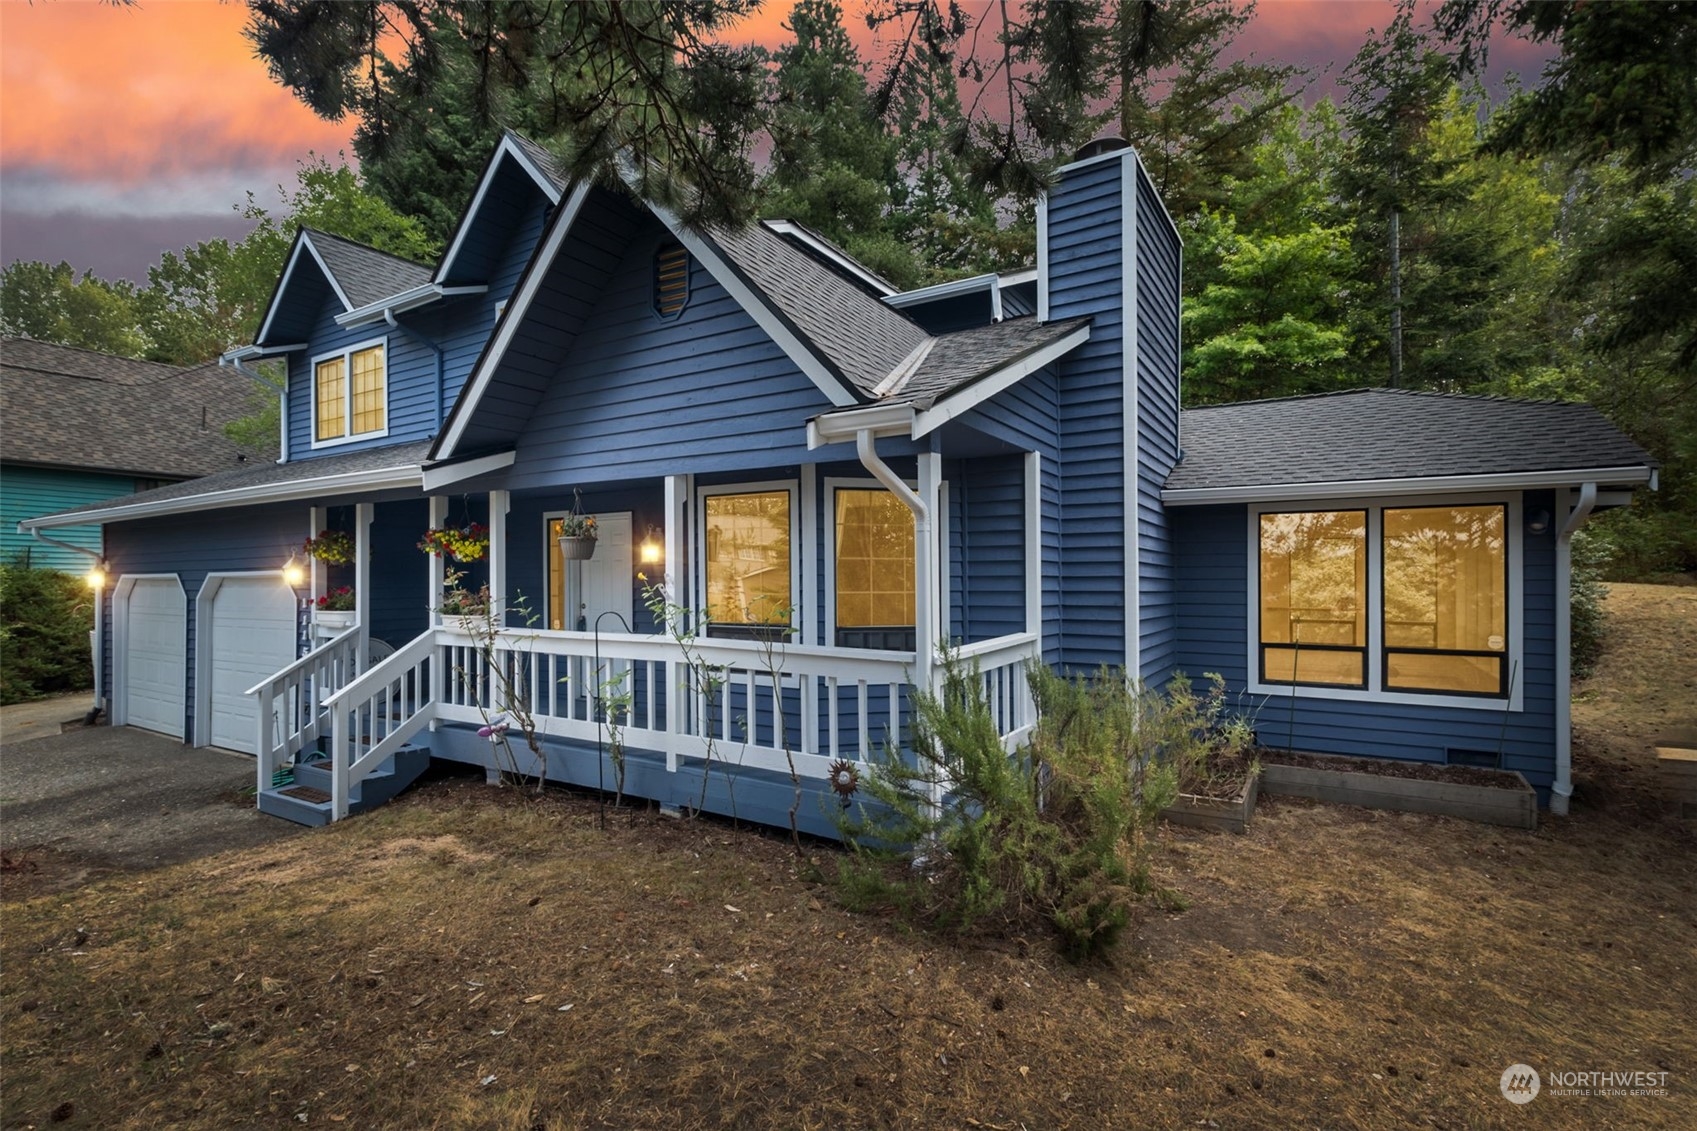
45 619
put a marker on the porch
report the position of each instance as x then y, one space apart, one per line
676 706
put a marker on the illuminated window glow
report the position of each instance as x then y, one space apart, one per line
347 408
748 562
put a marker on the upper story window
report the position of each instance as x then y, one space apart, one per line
671 280
1392 599
350 394
747 561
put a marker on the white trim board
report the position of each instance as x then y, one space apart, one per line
1131 421
441 475
1278 694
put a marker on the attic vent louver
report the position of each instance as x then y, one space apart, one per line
671 280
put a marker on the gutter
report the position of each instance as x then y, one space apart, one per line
1562 789
422 295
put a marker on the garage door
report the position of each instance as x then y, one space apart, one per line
155 656
251 632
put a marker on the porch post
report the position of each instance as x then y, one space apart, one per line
438 566
676 588
925 559
315 523
362 582
499 503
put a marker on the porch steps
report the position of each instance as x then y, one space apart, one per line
295 801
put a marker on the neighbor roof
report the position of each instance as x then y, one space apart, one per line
75 408
370 469
1368 436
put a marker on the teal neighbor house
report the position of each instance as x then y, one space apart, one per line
79 427
826 478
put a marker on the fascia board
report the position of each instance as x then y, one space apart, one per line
941 291
382 479
507 148
1366 488
542 260
444 475
981 390
842 427
412 299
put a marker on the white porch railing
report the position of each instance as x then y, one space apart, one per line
740 703
291 703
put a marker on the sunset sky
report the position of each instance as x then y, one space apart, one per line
127 132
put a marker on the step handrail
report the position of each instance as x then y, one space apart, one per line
382 672
303 663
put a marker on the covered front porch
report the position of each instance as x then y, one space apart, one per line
688 661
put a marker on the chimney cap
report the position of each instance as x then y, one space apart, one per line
1095 147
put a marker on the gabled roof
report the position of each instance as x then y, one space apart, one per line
74 408
957 360
372 469
1378 438
859 338
533 160
363 274
358 275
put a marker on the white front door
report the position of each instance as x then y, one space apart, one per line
251 635
155 656
603 583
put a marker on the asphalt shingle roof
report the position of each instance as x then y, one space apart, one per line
65 407
957 360
399 456
365 274
856 333
1370 434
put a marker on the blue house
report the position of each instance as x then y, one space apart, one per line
802 480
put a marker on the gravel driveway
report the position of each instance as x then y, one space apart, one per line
96 800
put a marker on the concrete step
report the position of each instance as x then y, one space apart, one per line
307 800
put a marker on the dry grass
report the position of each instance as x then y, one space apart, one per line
1336 968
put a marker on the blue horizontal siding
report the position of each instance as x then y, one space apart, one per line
1157 377
1086 243
1211 548
987 546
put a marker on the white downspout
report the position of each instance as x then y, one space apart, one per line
1563 787
282 392
924 569
97 562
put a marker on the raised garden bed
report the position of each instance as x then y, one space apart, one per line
1230 814
1494 797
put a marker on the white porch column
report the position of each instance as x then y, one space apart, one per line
500 502
675 584
438 567
363 514
315 523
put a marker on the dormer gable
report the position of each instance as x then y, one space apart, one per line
321 266
516 174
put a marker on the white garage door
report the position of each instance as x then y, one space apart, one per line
155 656
251 635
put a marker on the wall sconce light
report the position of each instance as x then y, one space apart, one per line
96 576
294 573
1537 521
652 548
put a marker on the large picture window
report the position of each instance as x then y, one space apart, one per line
1314 598
747 559
1446 599
1386 599
350 394
873 568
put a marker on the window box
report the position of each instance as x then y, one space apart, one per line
1405 787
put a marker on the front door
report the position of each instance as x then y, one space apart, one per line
580 592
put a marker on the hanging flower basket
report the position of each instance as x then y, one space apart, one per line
577 547
467 543
578 533
332 547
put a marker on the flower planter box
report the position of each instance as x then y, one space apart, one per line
1514 803
1213 813
334 620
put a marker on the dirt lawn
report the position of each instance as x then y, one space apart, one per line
463 958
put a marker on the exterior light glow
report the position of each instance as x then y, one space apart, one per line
652 551
294 574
